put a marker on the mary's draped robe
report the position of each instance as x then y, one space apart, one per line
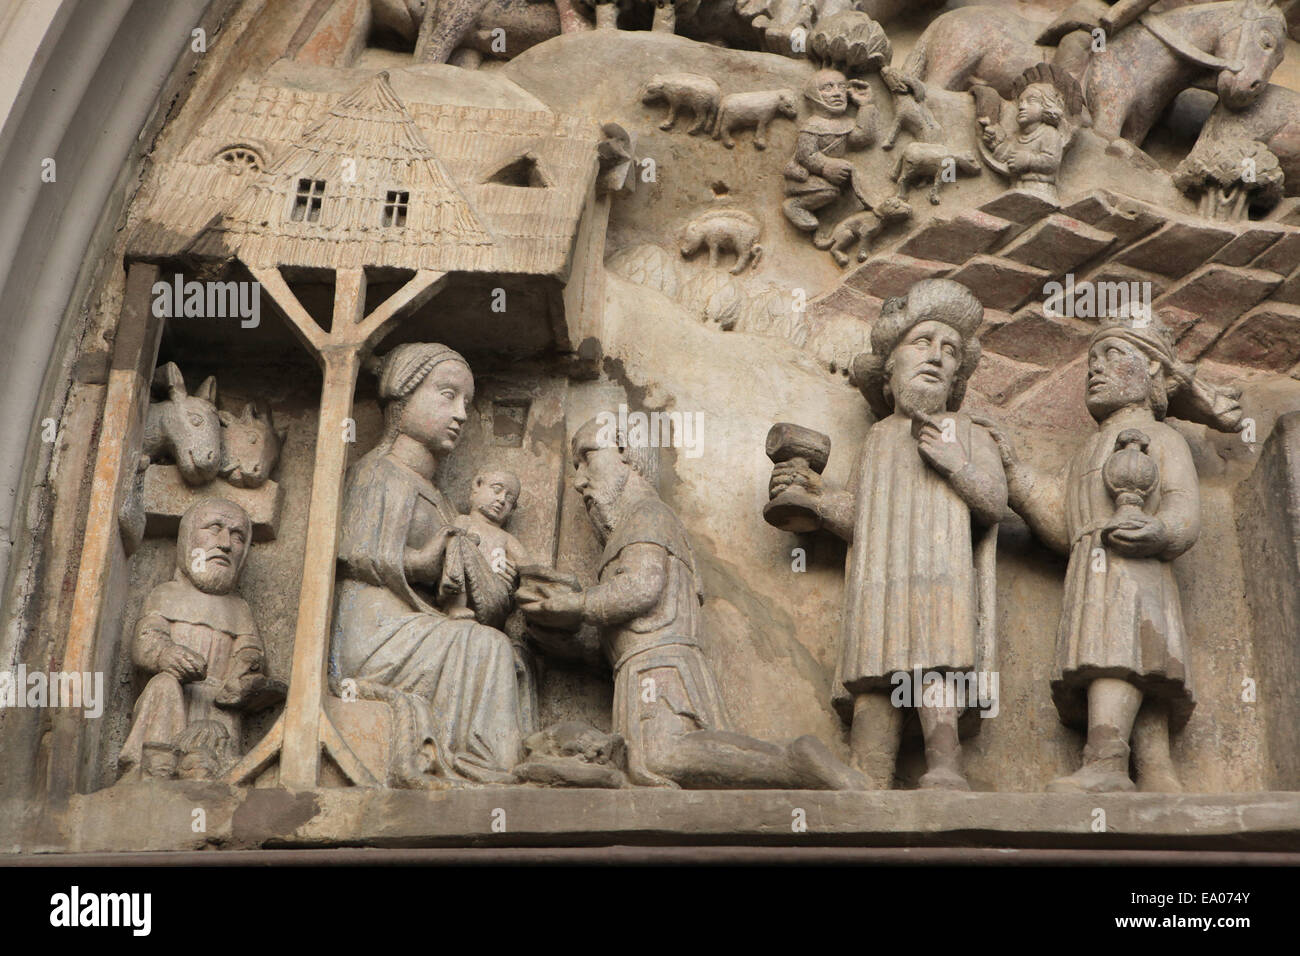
451 683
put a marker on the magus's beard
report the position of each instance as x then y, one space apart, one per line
928 398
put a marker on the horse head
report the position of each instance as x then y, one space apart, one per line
1259 47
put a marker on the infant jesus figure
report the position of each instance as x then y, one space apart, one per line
492 500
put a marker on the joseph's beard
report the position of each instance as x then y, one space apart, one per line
603 511
215 578
928 398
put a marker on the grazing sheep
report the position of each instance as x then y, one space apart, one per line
680 91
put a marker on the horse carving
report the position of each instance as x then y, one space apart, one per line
1128 79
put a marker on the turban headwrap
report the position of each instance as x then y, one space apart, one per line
1179 392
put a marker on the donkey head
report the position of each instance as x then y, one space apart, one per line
185 427
250 446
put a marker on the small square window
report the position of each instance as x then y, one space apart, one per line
395 206
306 204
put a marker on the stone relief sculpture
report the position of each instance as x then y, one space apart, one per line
724 230
861 228
1127 506
933 162
684 91
450 681
755 111
667 705
493 497
183 428
1232 47
198 639
250 446
910 111
1048 112
922 524
819 171
850 41
442 621
1229 179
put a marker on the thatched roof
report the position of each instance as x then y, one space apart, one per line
444 156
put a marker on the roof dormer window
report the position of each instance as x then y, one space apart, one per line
307 202
395 206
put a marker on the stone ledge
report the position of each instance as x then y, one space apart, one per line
141 817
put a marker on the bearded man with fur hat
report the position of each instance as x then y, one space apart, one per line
921 519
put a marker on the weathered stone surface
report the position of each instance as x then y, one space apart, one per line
886 276
1218 294
135 817
1267 337
1177 248
1020 206
1124 217
1000 284
1253 240
1038 339
1283 257
166 496
958 238
1001 379
1149 283
1058 244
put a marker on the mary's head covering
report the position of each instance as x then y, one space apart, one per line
403 369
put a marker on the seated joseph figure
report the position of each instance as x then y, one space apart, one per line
450 681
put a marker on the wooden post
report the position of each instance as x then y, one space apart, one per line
126 400
304 728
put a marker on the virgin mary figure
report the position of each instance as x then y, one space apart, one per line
450 682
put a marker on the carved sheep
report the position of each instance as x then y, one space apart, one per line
250 447
753 110
680 91
722 230
184 428
932 161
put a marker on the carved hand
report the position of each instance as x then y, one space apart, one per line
859 93
563 611
837 171
993 135
183 664
1139 537
505 570
1005 449
944 457
797 472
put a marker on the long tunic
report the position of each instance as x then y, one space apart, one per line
1121 616
451 683
913 597
216 627
659 644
